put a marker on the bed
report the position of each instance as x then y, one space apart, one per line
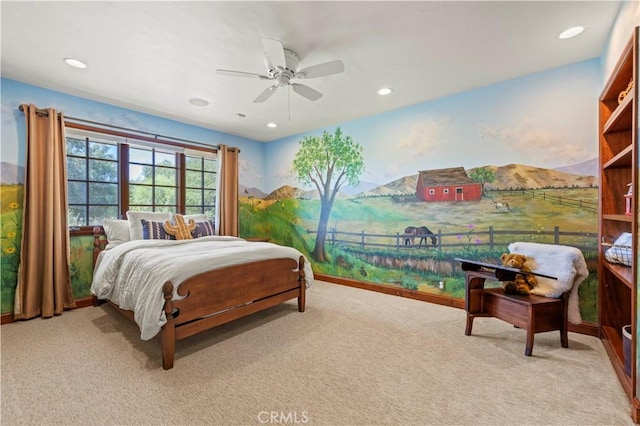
181 288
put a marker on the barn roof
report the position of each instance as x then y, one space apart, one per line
440 177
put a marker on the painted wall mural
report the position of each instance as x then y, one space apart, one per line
526 146
461 176
10 237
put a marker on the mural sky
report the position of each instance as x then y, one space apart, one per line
546 120
542 120
15 93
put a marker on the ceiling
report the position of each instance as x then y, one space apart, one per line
155 56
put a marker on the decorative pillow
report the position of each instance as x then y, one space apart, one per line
181 229
135 226
154 231
205 228
117 231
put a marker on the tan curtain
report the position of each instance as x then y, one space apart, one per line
44 286
227 194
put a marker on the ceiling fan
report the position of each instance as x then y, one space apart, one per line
282 67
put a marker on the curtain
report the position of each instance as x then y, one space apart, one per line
44 285
227 194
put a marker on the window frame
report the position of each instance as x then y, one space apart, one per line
124 141
86 160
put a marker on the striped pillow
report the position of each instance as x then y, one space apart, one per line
204 229
154 231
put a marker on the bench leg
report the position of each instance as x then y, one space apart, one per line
467 330
564 339
530 331
529 348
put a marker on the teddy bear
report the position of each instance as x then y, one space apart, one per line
522 283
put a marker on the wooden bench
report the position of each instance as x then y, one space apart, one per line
535 314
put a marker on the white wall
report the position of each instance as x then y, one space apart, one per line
628 18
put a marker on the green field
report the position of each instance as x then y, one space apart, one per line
10 237
427 270
383 215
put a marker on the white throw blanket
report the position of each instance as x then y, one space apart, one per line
132 274
563 262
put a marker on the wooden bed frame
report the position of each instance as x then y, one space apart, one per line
219 296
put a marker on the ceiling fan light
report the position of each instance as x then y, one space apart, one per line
385 91
76 63
571 32
272 125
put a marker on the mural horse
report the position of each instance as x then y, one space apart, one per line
412 232
501 205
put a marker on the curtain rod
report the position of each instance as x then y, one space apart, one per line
45 113
41 112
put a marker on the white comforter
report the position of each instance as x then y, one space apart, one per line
132 274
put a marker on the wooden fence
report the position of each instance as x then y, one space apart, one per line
591 206
469 238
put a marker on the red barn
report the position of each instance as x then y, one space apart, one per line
451 184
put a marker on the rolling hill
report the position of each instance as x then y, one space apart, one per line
512 176
519 176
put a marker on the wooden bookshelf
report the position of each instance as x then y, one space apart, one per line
617 284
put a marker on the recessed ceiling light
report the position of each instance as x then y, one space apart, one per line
76 63
571 32
272 125
199 102
384 91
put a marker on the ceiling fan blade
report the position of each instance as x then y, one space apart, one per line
266 94
306 91
242 74
321 70
274 52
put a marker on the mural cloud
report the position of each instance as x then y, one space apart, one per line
421 139
540 146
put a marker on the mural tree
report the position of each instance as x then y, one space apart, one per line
482 175
328 162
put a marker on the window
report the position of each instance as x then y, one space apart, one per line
92 181
153 180
108 175
200 184
445 190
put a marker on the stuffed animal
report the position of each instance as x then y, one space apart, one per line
523 283
181 230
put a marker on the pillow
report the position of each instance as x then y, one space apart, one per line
154 231
181 229
205 228
200 217
117 231
135 226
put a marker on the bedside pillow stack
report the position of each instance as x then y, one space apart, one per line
150 225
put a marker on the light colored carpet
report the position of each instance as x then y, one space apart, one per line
355 357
